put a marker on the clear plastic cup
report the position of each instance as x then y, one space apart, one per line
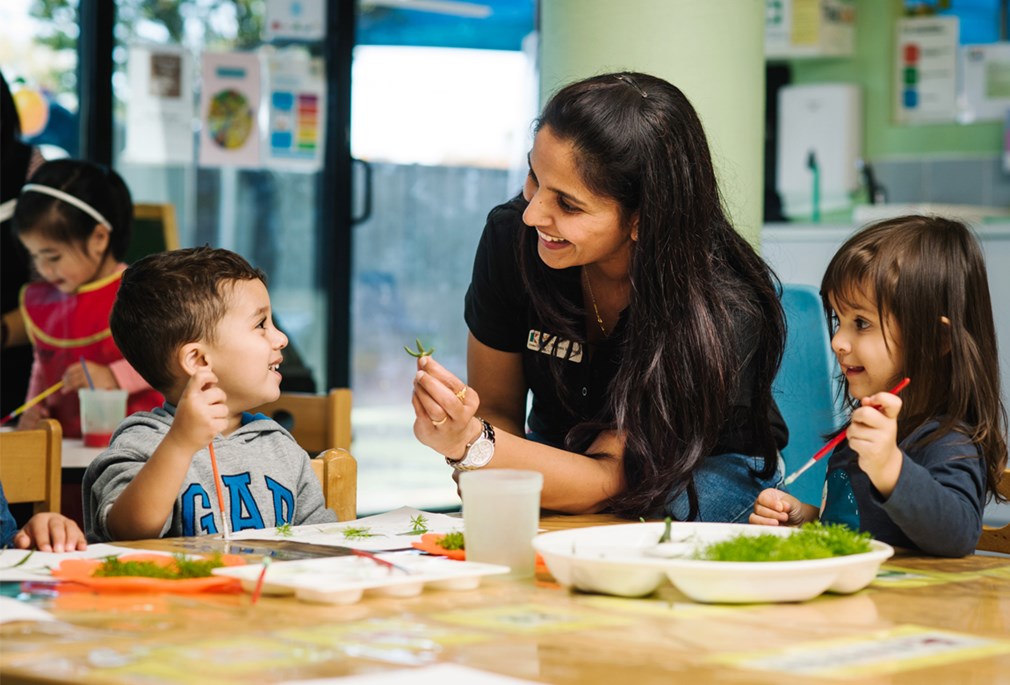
101 412
501 516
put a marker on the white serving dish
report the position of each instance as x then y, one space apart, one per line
344 580
625 560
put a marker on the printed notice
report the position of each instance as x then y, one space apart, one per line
879 653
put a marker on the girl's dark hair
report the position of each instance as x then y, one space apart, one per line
919 270
697 287
62 222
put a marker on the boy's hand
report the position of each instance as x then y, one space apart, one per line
202 412
74 378
774 507
51 532
873 435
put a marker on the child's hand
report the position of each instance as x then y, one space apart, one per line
202 412
774 507
30 417
74 378
873 435
51 532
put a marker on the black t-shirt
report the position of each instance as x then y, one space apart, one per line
500 314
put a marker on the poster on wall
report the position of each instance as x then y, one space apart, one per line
925 85
159 109
296 96
985 83
294 20
229 110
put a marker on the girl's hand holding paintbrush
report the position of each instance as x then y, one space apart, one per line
75 378
873 435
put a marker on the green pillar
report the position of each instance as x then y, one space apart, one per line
713 50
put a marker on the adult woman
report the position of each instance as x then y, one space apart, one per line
617 291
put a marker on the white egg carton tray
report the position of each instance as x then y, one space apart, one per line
346 579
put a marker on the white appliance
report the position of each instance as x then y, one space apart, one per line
819 141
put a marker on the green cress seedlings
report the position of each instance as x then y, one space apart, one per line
452 540
812 541
284 530
181 568
420 351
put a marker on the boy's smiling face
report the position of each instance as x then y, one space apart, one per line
246 352
868 350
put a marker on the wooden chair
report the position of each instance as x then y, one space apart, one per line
997 539
30 466
318 422
338 473
154 230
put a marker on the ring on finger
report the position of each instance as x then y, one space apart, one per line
440 421
461 394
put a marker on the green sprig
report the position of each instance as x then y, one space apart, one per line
358 533
284 530
420 351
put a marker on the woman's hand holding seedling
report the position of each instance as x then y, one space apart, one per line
444 407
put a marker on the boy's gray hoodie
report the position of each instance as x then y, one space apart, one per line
267 478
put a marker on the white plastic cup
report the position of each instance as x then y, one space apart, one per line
501 516
101 413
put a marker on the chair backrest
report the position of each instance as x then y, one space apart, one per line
338 474
30 465
804 388
318 422
154 230
995 539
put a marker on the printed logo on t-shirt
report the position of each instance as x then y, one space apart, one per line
198 516
552 345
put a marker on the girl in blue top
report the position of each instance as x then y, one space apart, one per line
910 297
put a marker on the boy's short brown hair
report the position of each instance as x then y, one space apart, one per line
169 299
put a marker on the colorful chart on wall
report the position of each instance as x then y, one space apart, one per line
229 105
296 106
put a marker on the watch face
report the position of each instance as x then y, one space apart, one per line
479 454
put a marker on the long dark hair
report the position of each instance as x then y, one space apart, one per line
697 287
921 270
99 186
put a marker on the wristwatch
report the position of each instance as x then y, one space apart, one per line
478 453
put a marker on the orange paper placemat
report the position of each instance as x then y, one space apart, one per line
81 572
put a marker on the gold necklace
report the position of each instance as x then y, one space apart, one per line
592 297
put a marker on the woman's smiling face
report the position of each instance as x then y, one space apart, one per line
575 226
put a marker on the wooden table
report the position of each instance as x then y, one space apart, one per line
527 629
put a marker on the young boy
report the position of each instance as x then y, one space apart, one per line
196 324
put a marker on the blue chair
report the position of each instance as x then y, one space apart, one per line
804 388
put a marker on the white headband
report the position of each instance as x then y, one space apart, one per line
69 199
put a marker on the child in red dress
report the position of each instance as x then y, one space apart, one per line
74 219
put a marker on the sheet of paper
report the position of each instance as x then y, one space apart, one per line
391 530
12 610
15 567
439 674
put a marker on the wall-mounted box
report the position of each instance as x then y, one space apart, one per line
809 28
